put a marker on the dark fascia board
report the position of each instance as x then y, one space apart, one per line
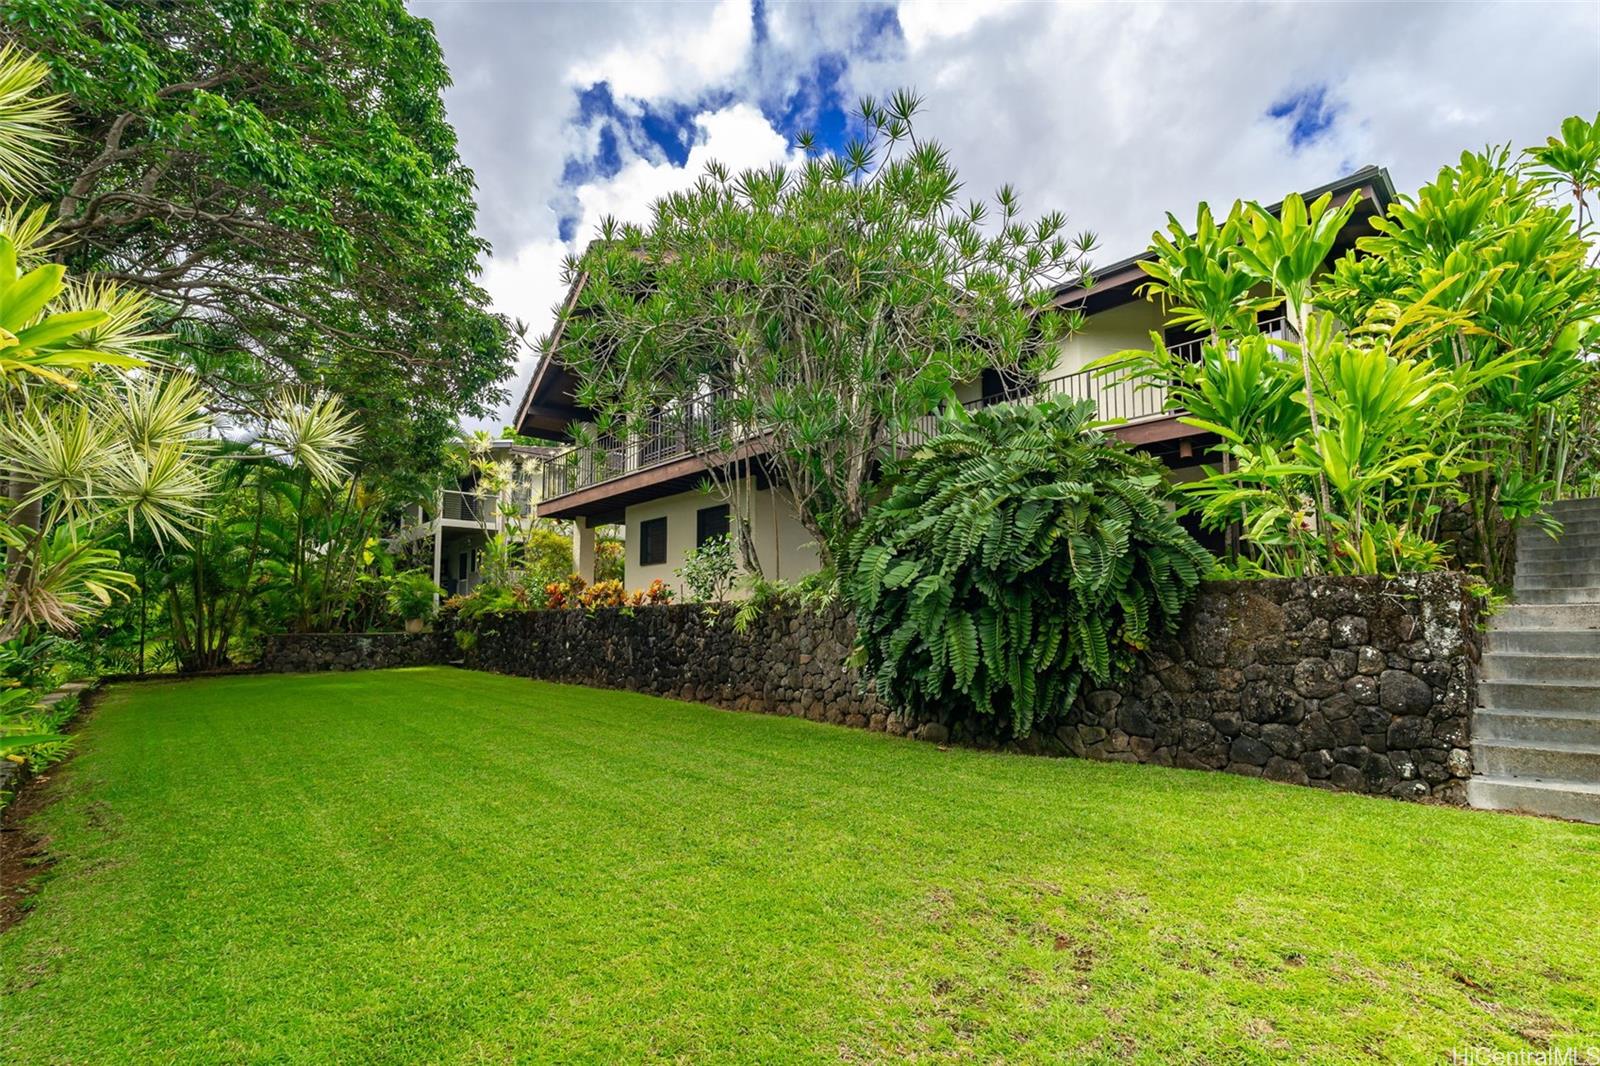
544 373
1374 179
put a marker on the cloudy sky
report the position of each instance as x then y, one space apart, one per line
1112 113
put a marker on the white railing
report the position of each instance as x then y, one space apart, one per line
484 507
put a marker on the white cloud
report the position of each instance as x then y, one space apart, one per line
1117 114
923 21
675 57
1114 114
739 137
526 284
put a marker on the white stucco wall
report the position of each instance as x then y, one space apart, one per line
785 548
1112 330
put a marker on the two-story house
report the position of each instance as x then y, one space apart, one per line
650 483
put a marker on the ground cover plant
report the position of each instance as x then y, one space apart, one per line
438 866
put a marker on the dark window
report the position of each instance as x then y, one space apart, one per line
710 522
652 542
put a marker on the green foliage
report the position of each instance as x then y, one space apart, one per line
708 570
413 595
546 556
30 729
832 304
1016 554
27 660
283 178
1443 365
814 592
610 557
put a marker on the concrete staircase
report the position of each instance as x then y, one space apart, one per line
1536 733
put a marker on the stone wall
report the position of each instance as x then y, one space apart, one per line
1356 684
304 653
786 662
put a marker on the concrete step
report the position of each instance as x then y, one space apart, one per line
1546 760
1559 566
1587 505
1529 582
1567 594
1552 798
1539 696
1573 531
1542 641
1536 666
1567 727
1524 616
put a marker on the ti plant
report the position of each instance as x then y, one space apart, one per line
1437 367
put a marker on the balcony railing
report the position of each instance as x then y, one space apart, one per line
484 507
671 433
690 428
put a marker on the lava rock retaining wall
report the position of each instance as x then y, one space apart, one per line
1355 684
304 653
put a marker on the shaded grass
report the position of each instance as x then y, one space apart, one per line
439 866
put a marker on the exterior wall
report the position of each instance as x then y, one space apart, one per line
1125 326
784 547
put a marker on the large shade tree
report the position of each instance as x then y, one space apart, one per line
281 178
820 310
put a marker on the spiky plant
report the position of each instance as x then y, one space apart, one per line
1017 553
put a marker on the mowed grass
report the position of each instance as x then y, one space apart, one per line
440 866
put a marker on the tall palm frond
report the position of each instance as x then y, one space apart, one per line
30 121
316 433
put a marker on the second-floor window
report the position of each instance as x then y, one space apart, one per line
653 542
710 522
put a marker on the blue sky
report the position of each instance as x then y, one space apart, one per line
1114 114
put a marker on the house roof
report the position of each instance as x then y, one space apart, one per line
1114 283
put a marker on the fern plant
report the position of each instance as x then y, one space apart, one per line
1014 554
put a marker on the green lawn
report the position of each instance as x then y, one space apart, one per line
437 866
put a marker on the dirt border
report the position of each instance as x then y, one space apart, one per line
25 855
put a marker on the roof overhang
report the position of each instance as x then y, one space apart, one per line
1118 283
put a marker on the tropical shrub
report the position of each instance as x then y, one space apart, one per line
1016 554
603 594
1439 365
30 730
545 555
813 592
659 593
708 570
413 595
610 562
564 593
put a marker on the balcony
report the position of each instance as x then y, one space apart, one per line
670 434
693 428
